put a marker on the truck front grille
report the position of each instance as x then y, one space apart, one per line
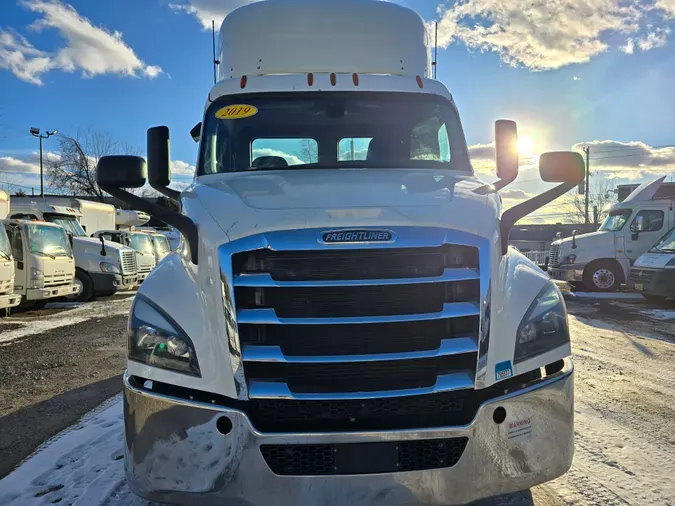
58 279
641 275
355 322
363 458
128 261
553 255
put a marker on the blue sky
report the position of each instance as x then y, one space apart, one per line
602 72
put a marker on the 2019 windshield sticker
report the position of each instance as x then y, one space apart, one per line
236 111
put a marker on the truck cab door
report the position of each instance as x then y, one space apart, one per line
646 227
20 276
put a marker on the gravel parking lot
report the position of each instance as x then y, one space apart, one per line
624 349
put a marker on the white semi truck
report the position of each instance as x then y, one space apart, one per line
43 261
346 323
102 268
601 261
140 242
8 299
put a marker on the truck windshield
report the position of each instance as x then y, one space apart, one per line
616 220
47 240
69 223
5 247
141 243
162 244
666 244
332 131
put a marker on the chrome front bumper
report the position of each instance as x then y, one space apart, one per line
175 454
567 272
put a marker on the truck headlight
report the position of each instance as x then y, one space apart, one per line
544 326
108 267
37 278
156 340
568 260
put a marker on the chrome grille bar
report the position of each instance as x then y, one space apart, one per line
266 281
269 317
274 354
279 390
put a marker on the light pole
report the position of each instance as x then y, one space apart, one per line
35 132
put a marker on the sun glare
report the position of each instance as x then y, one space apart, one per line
525 145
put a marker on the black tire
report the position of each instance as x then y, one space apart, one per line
603 276
656 299
87 292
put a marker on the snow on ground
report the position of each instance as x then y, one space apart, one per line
75 312
659 314
605 295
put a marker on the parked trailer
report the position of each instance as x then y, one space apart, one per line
341 327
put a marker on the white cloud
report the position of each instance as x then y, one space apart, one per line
89 49
207 10
541 35
629 47
9 164
629 160
515 193
291 159
182 169
577 78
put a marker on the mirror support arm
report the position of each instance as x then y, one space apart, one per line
181 222
167 192
515 213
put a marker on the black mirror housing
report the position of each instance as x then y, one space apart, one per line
562 167
159 156
506 149
121 171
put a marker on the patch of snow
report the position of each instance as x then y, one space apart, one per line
83 465
605 295
659 314
80 312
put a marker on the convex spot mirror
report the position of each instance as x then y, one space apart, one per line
121 171
506 149
562 167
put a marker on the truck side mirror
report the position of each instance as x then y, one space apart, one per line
114 173
122 171
565 167
506 150
562 167
159 161
196 132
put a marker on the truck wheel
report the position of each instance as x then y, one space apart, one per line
86 287
603 276
656 299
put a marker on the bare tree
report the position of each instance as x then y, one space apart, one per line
73 169
600 194
309 151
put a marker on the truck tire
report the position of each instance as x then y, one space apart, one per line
603 276
86 287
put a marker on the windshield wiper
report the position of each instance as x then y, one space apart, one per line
45 254
5 255
665 250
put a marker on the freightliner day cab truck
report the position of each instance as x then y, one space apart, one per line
43 261
8 299
345 323
140 242
101 268
601 261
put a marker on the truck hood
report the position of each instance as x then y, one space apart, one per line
654 260
246 202
594 241
93 245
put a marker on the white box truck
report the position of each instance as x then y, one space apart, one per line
341 326
102 268
8 299
601 261
43 261
653 273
